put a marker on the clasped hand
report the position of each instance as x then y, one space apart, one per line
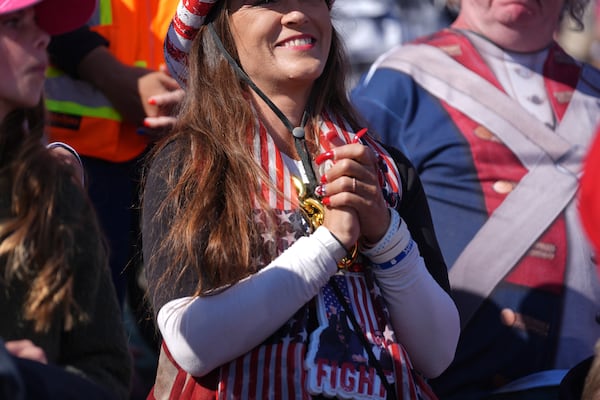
355 209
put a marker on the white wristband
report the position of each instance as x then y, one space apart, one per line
395 240
386 241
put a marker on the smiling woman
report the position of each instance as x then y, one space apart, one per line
270 217
285 57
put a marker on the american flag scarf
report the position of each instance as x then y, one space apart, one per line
294 363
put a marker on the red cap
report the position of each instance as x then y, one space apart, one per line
54 16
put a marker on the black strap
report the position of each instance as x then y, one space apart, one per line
302 149
389 390
297 132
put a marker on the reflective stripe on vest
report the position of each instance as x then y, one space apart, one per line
75 97
81 115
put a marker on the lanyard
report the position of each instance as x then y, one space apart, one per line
297 132
312 208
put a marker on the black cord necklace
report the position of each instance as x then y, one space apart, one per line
312 208
297 132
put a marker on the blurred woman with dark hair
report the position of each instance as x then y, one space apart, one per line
57 302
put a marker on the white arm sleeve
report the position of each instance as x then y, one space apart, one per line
203 333
424 317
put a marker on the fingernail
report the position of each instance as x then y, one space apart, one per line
323 179
320 191
321 158
152 101
360 134
147 124
326 201
331 135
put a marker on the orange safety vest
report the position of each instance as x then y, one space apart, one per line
81 115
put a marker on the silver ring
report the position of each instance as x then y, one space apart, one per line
353 185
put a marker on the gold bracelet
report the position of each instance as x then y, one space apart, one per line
349 258
313 212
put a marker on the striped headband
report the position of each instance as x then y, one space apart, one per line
184 27
186 23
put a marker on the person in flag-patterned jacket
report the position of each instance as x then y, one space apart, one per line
269 212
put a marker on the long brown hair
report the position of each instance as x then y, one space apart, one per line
37 238
213 176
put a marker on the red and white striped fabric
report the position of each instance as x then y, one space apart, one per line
188 19
284 365
190 16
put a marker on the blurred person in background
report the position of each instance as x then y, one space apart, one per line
60 319
369 28
497 118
